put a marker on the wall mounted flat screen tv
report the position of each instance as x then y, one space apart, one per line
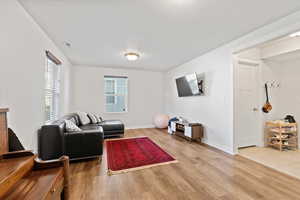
189 85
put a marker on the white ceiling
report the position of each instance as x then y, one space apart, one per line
167 33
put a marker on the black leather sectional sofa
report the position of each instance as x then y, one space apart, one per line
54 141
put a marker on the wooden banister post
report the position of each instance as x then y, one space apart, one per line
66 166
3 131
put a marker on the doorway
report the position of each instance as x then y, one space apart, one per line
247 102
272 66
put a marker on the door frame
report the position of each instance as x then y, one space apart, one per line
236 61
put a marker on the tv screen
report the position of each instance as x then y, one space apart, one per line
189 85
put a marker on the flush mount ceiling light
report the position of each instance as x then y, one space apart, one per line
297 34
131 56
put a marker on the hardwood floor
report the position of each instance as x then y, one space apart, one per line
283 161
202 173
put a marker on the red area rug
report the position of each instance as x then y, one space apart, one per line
124 155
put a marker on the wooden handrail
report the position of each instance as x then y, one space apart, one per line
16 154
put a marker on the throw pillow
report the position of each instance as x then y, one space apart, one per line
71 126
99 119
93 118
84 119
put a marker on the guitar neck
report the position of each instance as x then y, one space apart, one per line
267 94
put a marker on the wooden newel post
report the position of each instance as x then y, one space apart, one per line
3 131
63 162
66 166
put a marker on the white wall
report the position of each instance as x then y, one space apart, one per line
268 75
285 99
144 100
22 57
280 60
288 96
215 110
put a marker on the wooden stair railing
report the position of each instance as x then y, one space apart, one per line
24 176
61 162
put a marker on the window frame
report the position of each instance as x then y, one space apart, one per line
54 91
116 94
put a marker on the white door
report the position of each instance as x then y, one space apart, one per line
247 103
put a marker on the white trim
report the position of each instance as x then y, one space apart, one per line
220 147
247 61
125 112
140 126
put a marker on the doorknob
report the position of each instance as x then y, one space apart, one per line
255 109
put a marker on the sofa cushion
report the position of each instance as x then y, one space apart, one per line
91 127
112 125
83 117
73 117
99 119
71 126
92 118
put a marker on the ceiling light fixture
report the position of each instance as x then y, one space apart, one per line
131 56
297 34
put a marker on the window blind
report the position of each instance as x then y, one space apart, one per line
52 89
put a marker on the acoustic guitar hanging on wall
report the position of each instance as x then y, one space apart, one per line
267 107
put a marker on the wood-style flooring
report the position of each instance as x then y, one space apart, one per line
202 173
284 161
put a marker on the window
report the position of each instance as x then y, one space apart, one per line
52 87
115 93
111 90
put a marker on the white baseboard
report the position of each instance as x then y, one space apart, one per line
220 147
140 126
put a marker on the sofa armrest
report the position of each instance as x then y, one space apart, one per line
84 143
50 142
112 127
